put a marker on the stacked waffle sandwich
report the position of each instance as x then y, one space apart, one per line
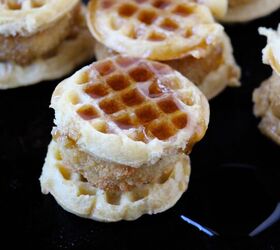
267 96
41 40
123 126
182 34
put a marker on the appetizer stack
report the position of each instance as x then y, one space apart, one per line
125 125
122 127
41 40
182 34
267 96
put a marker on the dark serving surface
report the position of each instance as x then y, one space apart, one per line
235 181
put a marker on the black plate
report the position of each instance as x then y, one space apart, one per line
234 184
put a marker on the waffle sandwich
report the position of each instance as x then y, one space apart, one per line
267 96
182 34
41 40
122 127
73 192
247 10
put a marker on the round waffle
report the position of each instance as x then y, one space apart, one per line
77 196
25 17
246 10
48 54
130 111
69 55
267 106
212 73
154 29
25 49
271 53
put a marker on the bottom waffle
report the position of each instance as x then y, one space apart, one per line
251 10
212 78
77 196
70 54
267 106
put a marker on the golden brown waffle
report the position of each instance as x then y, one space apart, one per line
267 106
154 29
246 10
130 111
77 196
26 17
23 50
271 53
47 54
70 54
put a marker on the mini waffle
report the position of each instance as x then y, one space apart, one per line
154 29
246 10
71 53
130 111
267 106
26 17
41 51
271 53
212 73
77 196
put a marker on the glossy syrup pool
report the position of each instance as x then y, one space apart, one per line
136 95
234 183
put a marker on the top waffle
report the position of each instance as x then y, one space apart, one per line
155 29
26 17
130 111
271 53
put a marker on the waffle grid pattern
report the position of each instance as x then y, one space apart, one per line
156 20
136 95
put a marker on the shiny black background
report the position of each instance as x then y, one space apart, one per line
235 182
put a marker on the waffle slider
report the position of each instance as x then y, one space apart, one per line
182 34
122 126
41 40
